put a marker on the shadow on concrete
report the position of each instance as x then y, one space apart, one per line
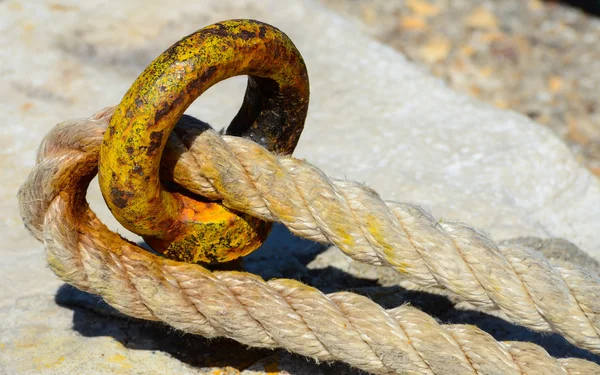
591 7
93 318
285 255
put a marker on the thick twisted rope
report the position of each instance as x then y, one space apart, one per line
518 281
286 313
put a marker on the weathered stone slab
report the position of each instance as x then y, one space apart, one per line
374 117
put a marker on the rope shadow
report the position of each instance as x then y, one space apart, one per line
287 256
92 317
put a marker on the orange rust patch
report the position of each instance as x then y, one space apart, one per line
27 106
272 368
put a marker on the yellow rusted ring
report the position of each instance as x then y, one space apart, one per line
272 114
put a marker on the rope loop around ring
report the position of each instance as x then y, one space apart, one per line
286 313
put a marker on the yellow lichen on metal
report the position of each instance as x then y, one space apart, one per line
182 226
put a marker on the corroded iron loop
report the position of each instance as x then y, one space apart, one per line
272 114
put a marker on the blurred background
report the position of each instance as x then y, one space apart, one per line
540 58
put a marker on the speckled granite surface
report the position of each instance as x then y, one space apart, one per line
539 58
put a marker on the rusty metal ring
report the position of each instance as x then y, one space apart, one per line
272 114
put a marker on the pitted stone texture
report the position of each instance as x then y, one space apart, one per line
374 117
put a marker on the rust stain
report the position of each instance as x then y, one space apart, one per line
42 362
120 360
56 7
272 368
26 107
119 197
155 142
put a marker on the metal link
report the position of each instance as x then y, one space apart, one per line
177 224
